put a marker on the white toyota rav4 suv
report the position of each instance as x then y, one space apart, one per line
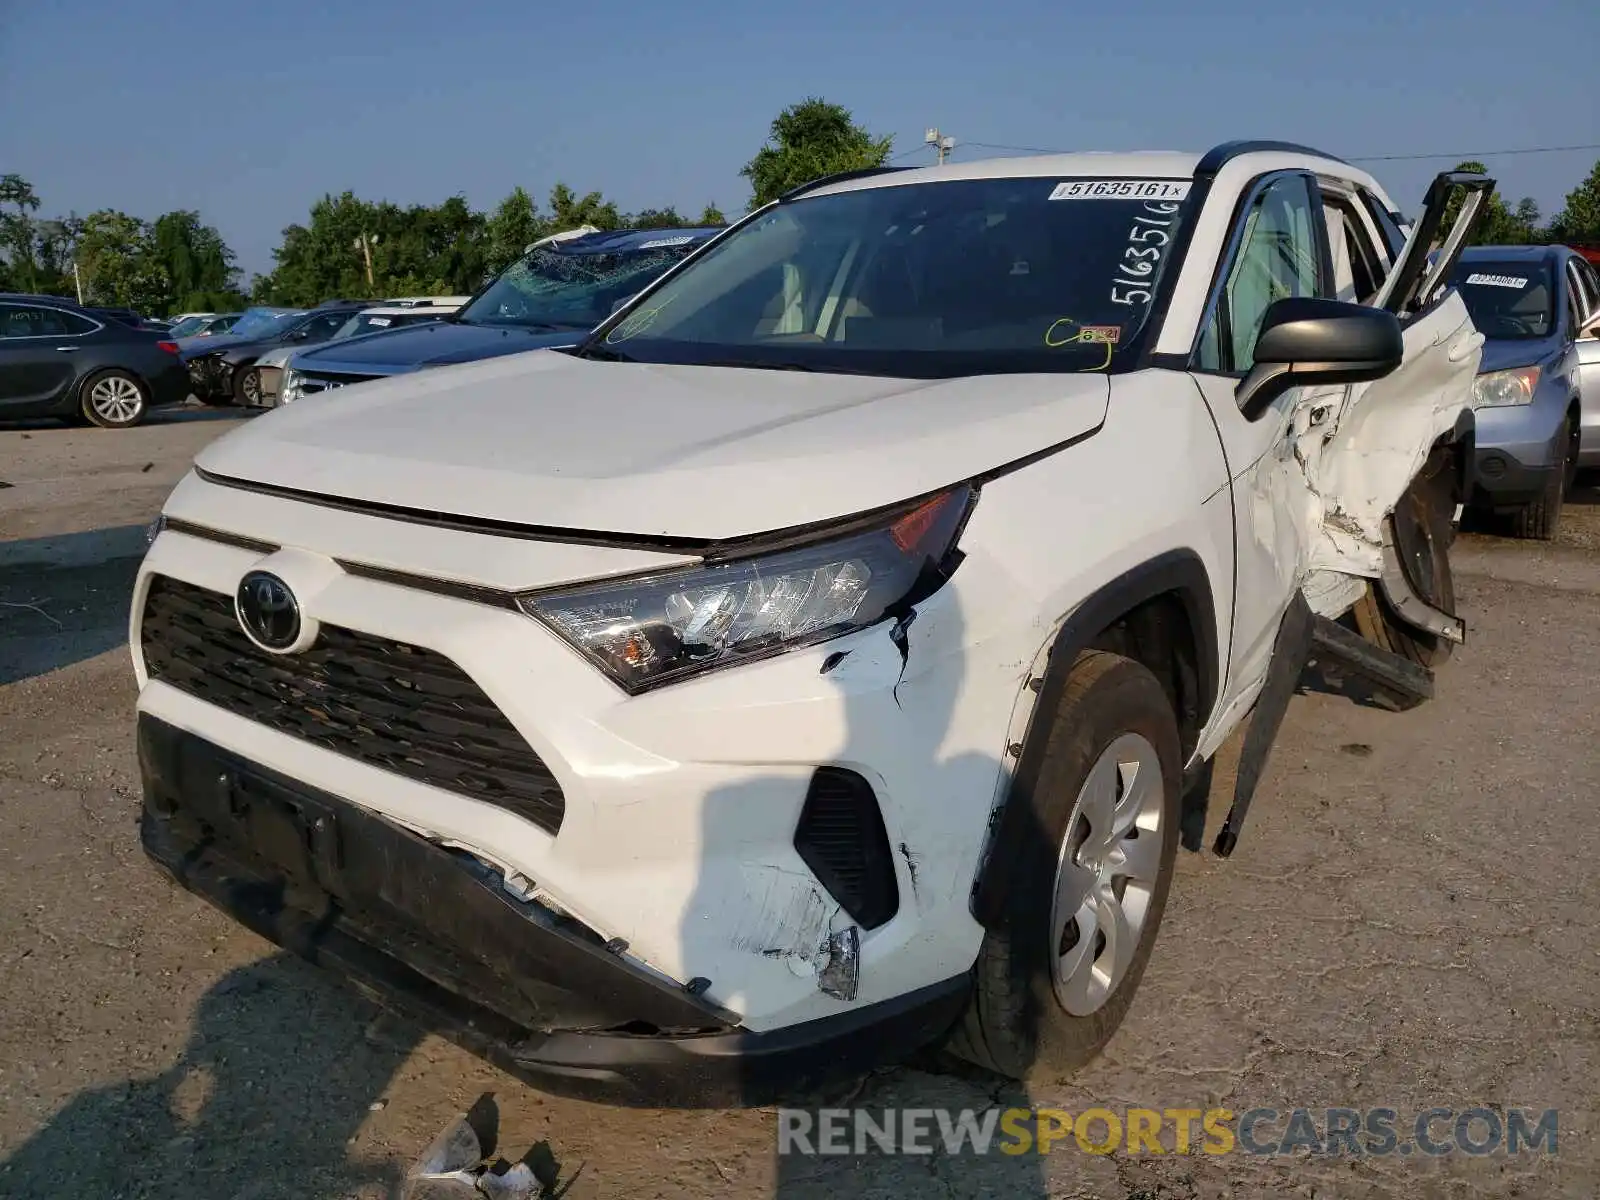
824 659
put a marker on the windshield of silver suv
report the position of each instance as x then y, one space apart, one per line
1508 301
557 287
927 280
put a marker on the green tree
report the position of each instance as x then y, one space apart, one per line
17 232
323 258
569 211
1498 225
509 230
656 218
119 264
198 263
809 140
711 215
1578 222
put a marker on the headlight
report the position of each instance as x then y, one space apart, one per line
654 629
1498 389
289 385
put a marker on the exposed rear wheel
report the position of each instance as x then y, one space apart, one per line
1422 533
1052 984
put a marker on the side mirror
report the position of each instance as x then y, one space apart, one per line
623 303
1308 342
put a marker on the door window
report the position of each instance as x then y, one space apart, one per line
1386 225
1278 258
17 321
1358 269
323 328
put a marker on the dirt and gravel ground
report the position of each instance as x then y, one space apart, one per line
1409 922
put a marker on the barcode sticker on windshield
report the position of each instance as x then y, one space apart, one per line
1507 281
658 243
1121 189
379 320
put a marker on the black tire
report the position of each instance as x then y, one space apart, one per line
1014 1024
113 399
1424 530
1537 521
246 386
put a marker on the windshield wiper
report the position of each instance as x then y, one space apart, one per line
603 354
757 366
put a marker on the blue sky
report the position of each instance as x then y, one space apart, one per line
249 112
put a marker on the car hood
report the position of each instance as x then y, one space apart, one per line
222 343
431 344
697 452
1501 353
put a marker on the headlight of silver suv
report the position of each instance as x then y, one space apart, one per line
289 385
1500 389
654 629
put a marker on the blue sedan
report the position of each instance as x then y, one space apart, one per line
1531 306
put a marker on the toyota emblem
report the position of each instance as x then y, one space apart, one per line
268 612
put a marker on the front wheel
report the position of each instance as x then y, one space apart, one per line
1537 521
1054 980
246 387
113 399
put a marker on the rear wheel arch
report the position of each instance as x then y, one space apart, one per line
1160 614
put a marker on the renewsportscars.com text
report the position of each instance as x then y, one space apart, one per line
1377 1132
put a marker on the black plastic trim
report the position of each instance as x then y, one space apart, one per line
841 807
463 524
207 533
1220 156
1177 571
369 901
476 593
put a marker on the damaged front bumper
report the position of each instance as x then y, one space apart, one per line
434 933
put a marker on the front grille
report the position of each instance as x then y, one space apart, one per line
404 708
312 382
842 839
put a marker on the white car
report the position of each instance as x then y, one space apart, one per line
261 386
821 660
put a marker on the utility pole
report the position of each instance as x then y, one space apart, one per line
940 142
365 243
77 281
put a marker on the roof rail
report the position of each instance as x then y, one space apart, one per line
836 177
1219 156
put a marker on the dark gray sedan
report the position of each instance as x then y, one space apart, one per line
1531 303
59 360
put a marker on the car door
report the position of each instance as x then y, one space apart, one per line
38 352
1275 251
1588 347
1372 445
320 329
1322 465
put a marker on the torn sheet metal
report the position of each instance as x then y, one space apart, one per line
1383 437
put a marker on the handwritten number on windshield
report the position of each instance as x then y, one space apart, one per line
1137 266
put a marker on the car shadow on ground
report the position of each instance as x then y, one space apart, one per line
272 1045
176 414
1585 489
65 599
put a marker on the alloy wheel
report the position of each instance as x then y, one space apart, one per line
115 399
